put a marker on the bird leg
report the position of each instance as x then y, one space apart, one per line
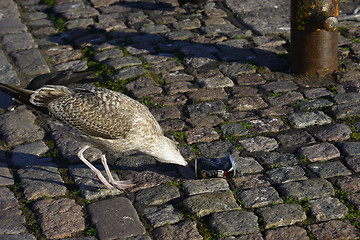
94 169
109 184
118 184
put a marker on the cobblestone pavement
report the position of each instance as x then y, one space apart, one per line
215 76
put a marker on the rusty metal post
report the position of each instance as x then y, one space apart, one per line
314 31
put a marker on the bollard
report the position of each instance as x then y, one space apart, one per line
314 31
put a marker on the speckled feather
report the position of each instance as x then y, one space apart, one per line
110 119
97 112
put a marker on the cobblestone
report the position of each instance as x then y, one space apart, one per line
216 76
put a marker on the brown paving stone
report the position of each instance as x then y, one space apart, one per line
206 95
11 219
337 132
115 218
334 230
276 111
354 199
169 100
353 163
201 134
349 184
247 103
295 138
209 121
320 152
249 181
252 79
256 236
287 233
179 231
163 113
59 218
172 125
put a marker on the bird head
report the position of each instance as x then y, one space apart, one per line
166 151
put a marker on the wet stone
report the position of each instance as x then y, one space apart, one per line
201 134
285 233
286 174
270 124
314 104
316 93
11 219
334 229
5 176
161 216
287 98
248 182
128 73
325 209
18 127
194 187
346 110
307 189
306 119
247 103
59 218
349 148
259 144
29 154
217 149
90 187
157 195
234 223
329 169
40 181
319 152
281 215
296 138
30 62
259 197
115 218
179 231
278 87
245 165
337 132
353 163
207 203
349 184
234 129
276 159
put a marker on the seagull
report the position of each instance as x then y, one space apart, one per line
107 118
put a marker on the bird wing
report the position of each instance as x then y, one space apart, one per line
98 112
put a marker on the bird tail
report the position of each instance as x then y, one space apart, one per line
20 94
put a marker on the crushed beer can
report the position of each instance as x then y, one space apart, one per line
223 167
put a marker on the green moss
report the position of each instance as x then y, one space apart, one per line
58 21
302 159
90 232
49 2
147 101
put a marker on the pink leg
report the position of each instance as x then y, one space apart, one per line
118 184
94 169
